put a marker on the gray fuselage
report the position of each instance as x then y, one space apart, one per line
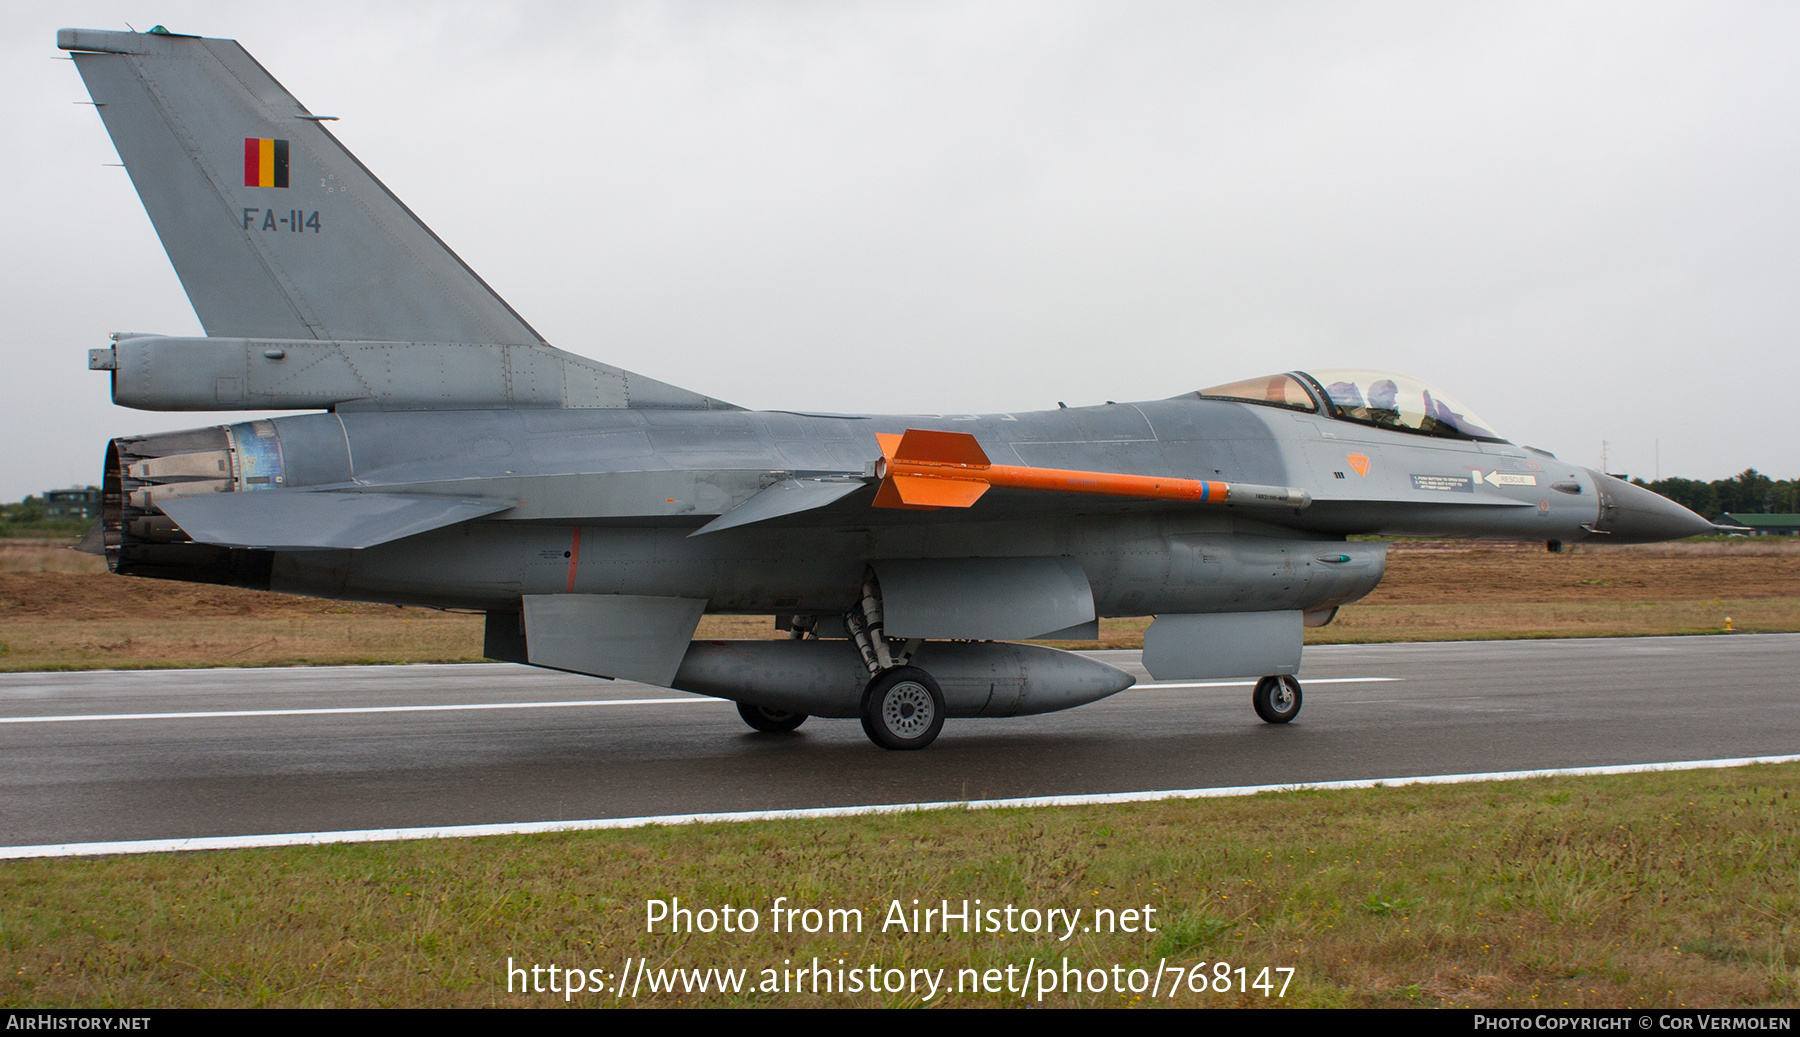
606 500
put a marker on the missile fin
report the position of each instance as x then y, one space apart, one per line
938 493
888 496
940 448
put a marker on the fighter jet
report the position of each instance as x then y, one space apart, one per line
456 460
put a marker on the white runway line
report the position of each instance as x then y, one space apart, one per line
70 718
376 835
328 711
1248 684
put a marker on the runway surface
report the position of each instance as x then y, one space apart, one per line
119 755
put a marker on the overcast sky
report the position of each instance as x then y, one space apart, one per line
1581 220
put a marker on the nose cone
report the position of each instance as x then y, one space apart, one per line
1634 515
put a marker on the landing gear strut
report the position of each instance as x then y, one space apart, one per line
902 706
1277 699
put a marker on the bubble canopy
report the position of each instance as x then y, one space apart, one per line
1376 398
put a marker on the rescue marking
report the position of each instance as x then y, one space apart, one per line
1498 478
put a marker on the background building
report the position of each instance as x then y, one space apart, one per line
1765 525
76 502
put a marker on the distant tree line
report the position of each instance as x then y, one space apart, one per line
26 518
1748 492
31 509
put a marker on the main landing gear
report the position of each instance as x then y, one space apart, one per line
1277 699
774 721
902 708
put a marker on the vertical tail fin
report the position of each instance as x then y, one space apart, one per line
274 228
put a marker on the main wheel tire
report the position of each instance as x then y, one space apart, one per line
1277 699
775 721
903 708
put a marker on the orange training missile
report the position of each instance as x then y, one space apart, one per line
926 469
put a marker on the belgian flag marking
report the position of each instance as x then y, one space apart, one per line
265 162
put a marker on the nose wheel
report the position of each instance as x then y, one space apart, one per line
1277 699
902 708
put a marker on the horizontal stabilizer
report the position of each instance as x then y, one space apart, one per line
300 520
787 497
155 372
94 541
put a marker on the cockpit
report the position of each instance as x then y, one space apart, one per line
1376 398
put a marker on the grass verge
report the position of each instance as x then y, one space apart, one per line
1662 889
418 636
58 610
